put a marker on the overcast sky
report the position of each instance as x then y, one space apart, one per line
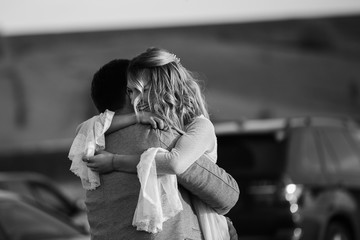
19 17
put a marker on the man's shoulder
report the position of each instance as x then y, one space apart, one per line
133 131
133 139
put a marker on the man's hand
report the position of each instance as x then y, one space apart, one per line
151 118
102 162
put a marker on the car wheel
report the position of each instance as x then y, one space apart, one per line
337 231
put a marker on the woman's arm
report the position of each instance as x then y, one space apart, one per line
105 162
121 121
199 138
124 120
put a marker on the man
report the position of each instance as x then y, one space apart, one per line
112 205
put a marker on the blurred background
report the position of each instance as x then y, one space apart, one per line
257 59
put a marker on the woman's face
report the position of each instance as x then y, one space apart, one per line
143 98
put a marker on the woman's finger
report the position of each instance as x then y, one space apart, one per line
162 125
153 123
99 152
91 164
94 168
159 123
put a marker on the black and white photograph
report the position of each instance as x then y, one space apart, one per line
179 120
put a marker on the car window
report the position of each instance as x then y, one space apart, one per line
19 187
355 137
250 155
346 156
309 156
50 198
23 221
328 155
304 160
2 234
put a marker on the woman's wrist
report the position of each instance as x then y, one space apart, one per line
125 163
112 163
115 162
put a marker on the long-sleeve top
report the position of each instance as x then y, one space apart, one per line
199 139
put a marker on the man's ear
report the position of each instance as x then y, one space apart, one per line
128 104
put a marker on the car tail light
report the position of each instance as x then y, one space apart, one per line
297 234
292 193
271 192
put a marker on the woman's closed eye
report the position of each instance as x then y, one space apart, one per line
129 91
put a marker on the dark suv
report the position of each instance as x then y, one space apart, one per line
299 178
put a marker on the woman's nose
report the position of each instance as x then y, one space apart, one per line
133 97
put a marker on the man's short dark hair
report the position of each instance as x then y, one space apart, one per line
108 87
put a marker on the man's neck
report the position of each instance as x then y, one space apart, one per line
124 110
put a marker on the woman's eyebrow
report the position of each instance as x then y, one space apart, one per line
147 87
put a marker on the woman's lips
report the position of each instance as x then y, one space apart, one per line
143 107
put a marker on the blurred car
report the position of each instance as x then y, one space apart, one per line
45 193
20 220
299 177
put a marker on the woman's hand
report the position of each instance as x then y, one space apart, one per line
102 162
152 119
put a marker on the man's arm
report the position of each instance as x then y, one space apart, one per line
204 179
212 184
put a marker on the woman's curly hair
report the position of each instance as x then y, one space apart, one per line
174 92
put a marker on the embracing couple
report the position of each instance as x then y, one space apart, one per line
148 161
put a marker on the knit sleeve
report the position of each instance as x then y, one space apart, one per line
199 139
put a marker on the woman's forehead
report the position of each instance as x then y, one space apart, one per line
138 84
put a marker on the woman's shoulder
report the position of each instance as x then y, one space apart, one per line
201 123
202 119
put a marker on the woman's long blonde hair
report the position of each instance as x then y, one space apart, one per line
174 93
